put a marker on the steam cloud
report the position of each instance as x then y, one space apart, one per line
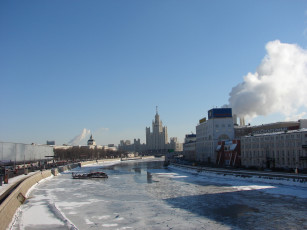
77 139
278 86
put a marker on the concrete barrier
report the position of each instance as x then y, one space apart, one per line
10 205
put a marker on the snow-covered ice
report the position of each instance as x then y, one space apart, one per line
143 195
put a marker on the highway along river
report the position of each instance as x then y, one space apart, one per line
142 194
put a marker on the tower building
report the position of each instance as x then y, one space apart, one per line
157 139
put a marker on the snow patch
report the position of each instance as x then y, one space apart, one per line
109 225
87 221
170 175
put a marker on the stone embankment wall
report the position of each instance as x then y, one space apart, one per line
148 157
97 162
112 159
68 167
10 205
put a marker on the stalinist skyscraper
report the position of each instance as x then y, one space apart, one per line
157 139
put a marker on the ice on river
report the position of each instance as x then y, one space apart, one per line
144 195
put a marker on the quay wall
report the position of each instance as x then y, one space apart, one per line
68 167
10 205
148 157
97 162
113 159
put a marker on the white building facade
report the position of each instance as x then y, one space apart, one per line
218 127
287 149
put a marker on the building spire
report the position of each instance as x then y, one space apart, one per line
156 109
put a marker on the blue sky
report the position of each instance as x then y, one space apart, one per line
106 65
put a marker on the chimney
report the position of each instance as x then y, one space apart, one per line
242 121
235 119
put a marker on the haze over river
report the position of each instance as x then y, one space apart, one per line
165 198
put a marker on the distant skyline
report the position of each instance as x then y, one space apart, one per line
78 67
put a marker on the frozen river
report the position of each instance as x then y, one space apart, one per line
163 199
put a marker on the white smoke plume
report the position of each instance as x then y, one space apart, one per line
278 86
77 139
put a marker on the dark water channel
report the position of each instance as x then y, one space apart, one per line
144 195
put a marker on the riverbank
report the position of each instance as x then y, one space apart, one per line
18 196
256 176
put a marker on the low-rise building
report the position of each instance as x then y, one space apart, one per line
189 147
284 149
126 145
50 143
174 145
269 128
229 153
